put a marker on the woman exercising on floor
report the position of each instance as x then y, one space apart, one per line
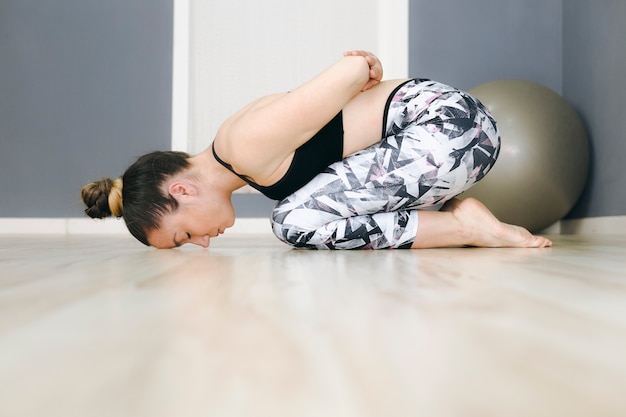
351 159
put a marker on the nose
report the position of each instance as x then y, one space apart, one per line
201 241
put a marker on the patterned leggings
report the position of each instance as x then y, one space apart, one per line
437 142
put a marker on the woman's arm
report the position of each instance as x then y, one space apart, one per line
258 139
376 68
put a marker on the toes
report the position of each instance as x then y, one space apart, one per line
542 242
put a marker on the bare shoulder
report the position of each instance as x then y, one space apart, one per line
252 106
226 140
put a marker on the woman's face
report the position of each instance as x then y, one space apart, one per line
195 221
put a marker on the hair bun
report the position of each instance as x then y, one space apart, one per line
103 198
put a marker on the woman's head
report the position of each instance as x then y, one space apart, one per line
139 195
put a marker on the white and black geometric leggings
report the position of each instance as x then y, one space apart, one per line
437 142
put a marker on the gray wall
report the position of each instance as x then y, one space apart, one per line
594 82
85 87
575 47
466 43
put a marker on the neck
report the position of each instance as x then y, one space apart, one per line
213 174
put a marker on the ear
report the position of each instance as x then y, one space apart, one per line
182 189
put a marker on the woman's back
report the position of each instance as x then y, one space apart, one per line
362 127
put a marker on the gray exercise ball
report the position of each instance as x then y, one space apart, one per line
544 155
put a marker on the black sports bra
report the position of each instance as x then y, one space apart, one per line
309 160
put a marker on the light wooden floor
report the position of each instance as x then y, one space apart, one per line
100 326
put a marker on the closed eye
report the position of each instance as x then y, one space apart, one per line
188 235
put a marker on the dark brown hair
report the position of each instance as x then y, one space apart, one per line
142 201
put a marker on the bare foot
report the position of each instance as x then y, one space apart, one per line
485 230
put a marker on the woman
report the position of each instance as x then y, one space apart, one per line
340 182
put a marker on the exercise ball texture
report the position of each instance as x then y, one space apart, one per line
544 156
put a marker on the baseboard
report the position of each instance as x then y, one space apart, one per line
608 225
82 226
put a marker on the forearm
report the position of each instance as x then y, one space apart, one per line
355 70
375 67
339 83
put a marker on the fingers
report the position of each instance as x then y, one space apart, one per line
376 69
357 52
369 57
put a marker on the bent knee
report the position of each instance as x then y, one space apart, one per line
287 233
